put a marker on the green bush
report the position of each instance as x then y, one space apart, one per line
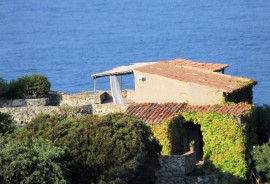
7 124
263 123
32 86
114 148
27 162
260 155
16 89
3 88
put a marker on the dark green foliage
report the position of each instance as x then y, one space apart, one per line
29 86
3 88
7 124
28 162
32 86
113 148
260 155
242 95
263 123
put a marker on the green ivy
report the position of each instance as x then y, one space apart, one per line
169 134
226 141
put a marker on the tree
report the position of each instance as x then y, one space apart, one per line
263 123
28 86
36 161
112 148
260 155
7 124
3 88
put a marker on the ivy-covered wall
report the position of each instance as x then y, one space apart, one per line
226 138
224 141
170 135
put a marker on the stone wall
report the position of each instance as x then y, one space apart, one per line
176 165
23 115
209 179
24 102
173 170
103 109
76 100
24 110
59 98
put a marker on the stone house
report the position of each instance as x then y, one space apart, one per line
183 100
191 82
184 81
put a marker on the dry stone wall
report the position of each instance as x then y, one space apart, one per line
24 110
23 115
24 102
176 165
103 109
173 170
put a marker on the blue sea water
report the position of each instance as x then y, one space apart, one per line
69 40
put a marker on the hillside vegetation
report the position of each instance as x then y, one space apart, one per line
111 149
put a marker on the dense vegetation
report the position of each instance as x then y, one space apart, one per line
114 148
263 123
7 124
37 161
28 86
260 155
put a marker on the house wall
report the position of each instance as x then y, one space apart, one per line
156 88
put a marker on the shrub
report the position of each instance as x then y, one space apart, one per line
33 86
7 124
263 123
260 155
31 162
15 89
114 148
3 88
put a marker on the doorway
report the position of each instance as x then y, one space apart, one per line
193 132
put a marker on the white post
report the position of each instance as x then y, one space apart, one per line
94 90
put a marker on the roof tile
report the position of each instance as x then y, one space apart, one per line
160 112
197 74
214 67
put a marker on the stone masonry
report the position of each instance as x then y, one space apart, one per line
24 110
173 170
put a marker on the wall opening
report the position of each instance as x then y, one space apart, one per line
193 132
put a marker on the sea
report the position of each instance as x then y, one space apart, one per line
69 40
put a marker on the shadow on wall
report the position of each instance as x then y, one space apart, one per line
223 177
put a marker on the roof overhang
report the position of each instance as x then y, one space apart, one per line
122 70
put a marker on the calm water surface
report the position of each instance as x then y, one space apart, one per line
70 40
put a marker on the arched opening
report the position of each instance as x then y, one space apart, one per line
193 132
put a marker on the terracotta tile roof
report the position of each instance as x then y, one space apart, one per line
204 77
154 112
214 67
160 112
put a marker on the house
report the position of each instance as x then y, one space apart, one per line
191 82
186 81
183 100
